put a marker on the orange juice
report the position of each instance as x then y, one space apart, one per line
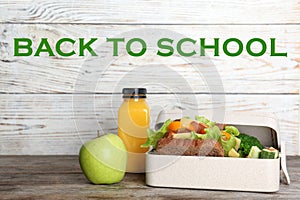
133 121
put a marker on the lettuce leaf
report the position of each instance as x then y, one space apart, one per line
154 136
194 135
232 130
228 144
204 120
213 133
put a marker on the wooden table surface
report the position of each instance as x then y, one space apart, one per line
60 177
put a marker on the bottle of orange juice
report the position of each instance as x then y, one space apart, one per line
133 121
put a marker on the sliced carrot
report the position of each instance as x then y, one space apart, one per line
175 125
227 135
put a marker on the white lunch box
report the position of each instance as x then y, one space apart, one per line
221 173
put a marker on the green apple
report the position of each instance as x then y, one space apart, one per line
103 160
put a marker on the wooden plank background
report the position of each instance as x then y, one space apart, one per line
47 108
152 11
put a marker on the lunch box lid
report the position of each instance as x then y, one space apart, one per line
250 119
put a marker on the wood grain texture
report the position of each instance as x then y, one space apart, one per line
46 101
157 12
106 74
60 177
59 124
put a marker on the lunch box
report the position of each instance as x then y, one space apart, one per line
222 173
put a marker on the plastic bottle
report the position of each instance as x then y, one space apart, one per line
133 121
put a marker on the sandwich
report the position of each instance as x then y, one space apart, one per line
202 137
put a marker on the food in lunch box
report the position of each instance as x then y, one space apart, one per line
269 153
247 142
202 137
254 152
187 147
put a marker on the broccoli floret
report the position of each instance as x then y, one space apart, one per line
247 142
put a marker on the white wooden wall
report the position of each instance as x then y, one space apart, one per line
46 108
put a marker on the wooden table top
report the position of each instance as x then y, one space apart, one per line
60 177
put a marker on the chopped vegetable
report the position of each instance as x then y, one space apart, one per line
225 135
269 153
164 127
233 153
204 120
232 130
228 144
194 136
213 133
154 136
254 152
183 135
185 122
237 143
247 142
174 126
